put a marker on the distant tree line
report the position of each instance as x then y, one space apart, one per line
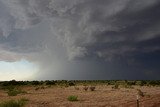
82 82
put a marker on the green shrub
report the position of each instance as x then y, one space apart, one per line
154 83
72 98
15 92
13 103
50 82
12 93
9 87
71 84
36 83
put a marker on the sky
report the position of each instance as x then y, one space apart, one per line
79 39
19 70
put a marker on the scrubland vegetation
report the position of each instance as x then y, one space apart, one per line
14 103
81 82
51 93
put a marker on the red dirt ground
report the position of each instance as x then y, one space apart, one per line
103 96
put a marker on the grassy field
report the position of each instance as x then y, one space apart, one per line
113 93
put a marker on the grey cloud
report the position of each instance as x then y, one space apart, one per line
79 30
82 24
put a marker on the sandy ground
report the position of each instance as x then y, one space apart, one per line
103 96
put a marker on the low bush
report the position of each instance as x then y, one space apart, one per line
116 86
9 87
71 84
42 87
92 88
85 88
72 98
12 93
50 82
14 103
15 92
36 83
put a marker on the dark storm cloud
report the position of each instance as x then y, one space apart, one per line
59 32
134 28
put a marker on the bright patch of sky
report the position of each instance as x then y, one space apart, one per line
19 70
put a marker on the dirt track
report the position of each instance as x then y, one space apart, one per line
103 96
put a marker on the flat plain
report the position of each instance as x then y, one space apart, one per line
102 96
